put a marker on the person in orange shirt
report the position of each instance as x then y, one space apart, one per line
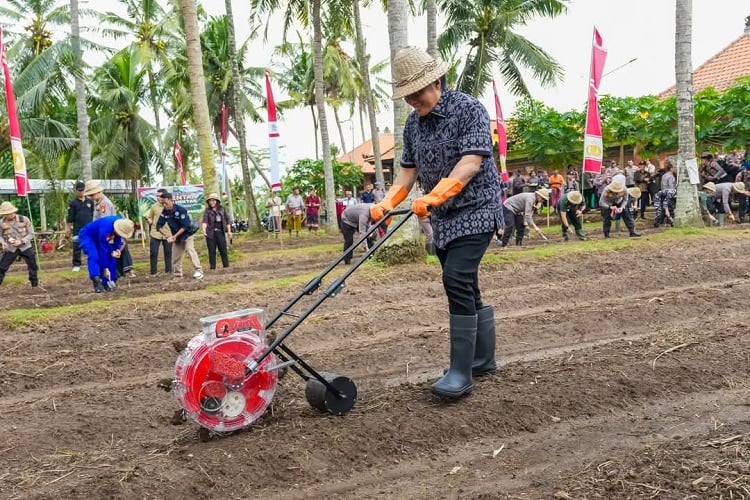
556 181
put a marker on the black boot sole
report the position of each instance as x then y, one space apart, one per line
453 395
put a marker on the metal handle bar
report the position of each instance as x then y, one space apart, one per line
333 288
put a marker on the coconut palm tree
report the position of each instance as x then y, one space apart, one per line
687 212
251 210
123 142
488 27
198 93
369 101
155 37
307 13
81 111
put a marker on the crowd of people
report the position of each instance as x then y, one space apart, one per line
97 231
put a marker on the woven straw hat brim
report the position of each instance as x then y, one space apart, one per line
213 196
124 227
616 187
92 187
543 193
7 208
634 192
739 188
709 186
414 71
575 197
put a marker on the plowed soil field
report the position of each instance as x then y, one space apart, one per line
624 372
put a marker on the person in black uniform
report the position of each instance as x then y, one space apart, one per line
80 213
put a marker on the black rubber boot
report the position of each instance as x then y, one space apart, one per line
457 382
98 285
430 248
565 233
580 235
484 347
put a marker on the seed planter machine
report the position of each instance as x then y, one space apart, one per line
226 377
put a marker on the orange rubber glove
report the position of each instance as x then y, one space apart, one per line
446 188
392 199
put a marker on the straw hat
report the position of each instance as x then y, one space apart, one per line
213 196
124 227
575 197
544 193
413 70
634 192
93 187
7 208
709 186
739 188
616 187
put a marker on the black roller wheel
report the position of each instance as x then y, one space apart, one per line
320 397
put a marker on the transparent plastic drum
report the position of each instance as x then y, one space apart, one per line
211 385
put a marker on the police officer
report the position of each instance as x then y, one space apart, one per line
80 213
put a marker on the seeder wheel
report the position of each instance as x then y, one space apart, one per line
320 397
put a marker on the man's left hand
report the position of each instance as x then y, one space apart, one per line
445 189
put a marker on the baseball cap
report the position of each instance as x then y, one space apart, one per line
80 186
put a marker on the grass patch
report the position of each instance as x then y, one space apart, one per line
19 317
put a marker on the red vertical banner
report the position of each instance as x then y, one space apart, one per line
16 148
502 136
273 136
180 168
593 148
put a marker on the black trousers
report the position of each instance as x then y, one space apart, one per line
153 253
512 221
77 254
125 262
218 242
573 220
28 256
626 216
460 262
348 232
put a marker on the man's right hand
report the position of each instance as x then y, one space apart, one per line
392 199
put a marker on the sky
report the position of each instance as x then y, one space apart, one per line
638 34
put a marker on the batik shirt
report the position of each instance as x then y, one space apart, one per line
434 144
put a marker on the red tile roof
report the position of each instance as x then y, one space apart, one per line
363 156
723 69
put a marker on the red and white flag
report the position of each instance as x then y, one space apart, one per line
593 149
502 136
273 136
16 148
180 168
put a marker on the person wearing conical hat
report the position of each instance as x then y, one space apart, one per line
103 207
724 191
612 202
665 203
103 242
15 238
447 145
707 200
217 228
571 208
518 212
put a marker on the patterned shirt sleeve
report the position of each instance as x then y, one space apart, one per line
474 139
